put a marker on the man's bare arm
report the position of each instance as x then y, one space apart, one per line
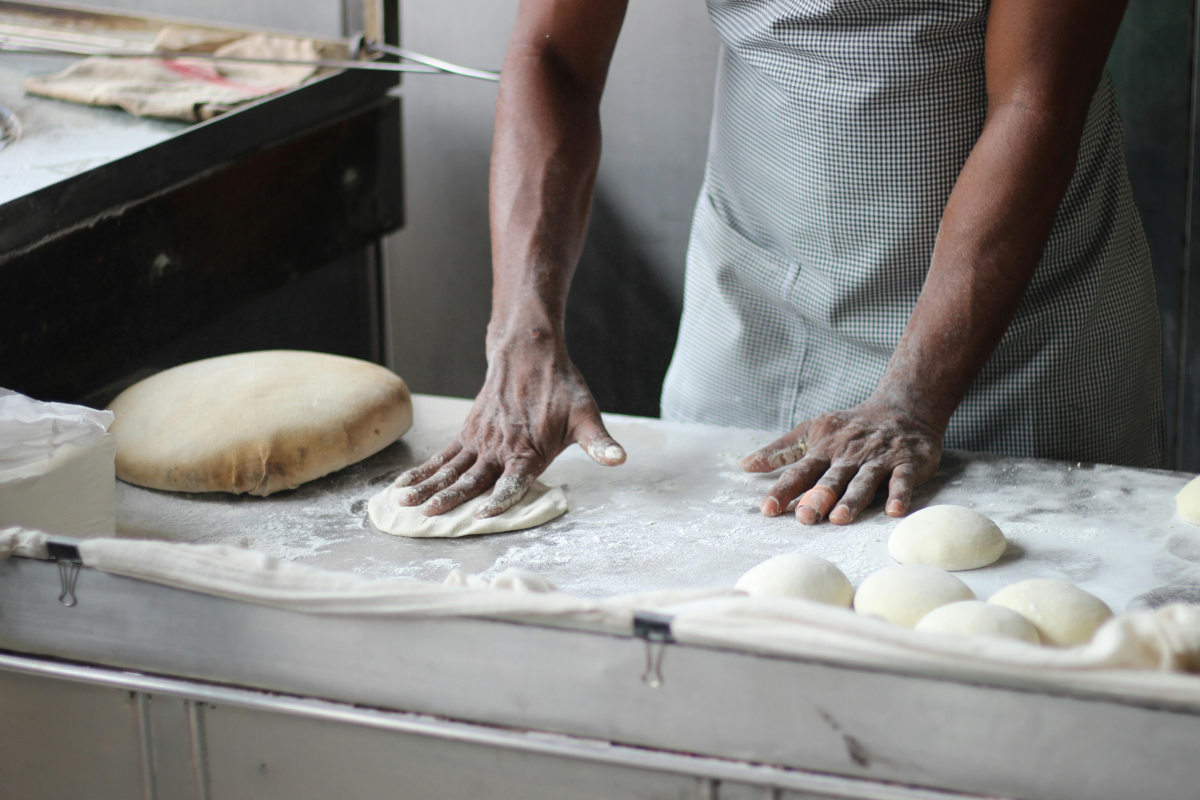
1043 61
546 151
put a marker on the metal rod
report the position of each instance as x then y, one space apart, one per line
145 734
45 45
197 748
444 66
555 745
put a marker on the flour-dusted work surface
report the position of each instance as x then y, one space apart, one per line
60 139
680 513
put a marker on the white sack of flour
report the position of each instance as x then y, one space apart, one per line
57 470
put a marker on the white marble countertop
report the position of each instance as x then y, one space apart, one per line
680 513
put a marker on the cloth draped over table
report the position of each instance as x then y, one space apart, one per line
192 90
1133 654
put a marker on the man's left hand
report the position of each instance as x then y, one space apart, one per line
840 459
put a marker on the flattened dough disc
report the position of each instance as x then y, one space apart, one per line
540 504
256 422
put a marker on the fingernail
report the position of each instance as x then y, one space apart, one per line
770 507
807 515
410 497
403 480
895 507
842 513
614 453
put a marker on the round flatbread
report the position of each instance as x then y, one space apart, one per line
540 504
256 422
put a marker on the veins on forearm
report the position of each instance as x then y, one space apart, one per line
990 242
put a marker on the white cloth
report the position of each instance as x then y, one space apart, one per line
32 431
1128 654
57 467
1166 639
188 89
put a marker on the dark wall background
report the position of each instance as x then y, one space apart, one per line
1151 68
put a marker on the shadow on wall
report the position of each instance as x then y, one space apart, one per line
621 324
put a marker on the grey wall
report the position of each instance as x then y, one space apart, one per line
655 115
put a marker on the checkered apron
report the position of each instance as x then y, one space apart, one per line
839 129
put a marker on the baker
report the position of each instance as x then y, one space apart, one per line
916 230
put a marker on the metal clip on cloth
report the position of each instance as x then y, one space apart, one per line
654 629
66 553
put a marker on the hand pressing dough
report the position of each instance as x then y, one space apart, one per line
540 504
947 537
977 618
903 595
256 422
1063 614
1187 502
798 575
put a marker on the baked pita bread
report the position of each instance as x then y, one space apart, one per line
256 422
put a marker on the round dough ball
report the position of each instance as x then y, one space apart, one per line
947 537
1187 502
798 575
256 422
903 595
977 618
1063 614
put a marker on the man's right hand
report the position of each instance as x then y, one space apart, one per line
545 153
533 405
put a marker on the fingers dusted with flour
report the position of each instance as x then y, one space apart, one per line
426 470
783 451
839 461
534 404
593 437
472 484
518 475
900 489
859 493
445 476
545 156
794 482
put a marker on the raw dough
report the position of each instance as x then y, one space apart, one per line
1063 614
540 504
947 537
977 618
902 595
256 422
1187 502
798 575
